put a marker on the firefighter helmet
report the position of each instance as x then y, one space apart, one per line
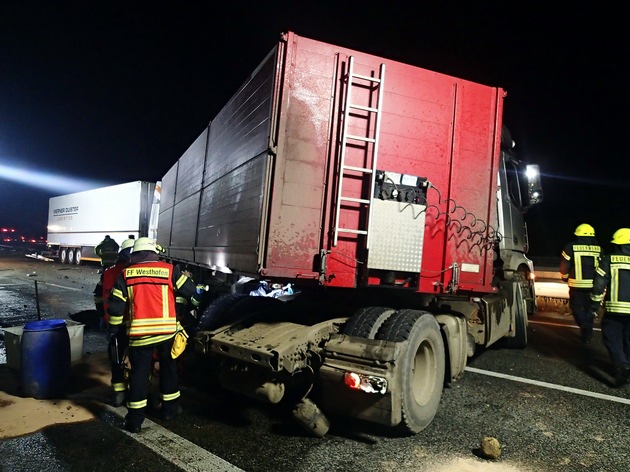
127 244
584 230
621 236
145 244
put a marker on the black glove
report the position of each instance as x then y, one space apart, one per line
112 332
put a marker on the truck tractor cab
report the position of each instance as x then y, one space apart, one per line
518 190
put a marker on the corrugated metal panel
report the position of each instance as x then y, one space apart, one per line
191 164
168 188
184 229
240 131
230 218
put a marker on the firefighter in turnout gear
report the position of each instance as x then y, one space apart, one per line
107 250
612 286
147 288
579 260
117 344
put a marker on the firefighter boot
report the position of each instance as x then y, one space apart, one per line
118 398
133 421
622 376
170 410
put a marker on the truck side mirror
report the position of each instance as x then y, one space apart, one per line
534 186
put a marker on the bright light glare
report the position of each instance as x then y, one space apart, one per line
531 172
46 180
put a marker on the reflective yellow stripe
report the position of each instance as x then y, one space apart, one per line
170 396
585 283
118 294
165 311
566 256
617 307
137 405
148 340
119 387
152 328
181 281
115 320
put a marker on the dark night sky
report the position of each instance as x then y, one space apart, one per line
107 92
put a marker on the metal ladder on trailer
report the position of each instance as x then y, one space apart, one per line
345 171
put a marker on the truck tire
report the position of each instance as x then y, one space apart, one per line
63 255
70 256
231 307
523 277
77 256
423 366
519 341
366 322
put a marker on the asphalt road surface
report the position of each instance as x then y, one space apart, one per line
551 406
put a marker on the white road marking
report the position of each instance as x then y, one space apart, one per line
563 325
175 449
562 388
67 288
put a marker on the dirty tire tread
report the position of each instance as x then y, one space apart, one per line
366 322
218 311
231 307
421 389
399 325
519 341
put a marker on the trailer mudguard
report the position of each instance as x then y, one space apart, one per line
366 357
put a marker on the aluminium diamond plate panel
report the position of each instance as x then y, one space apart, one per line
396 236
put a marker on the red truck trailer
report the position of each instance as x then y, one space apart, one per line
389 197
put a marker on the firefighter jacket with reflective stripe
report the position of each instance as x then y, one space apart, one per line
612 282
579 260
148 290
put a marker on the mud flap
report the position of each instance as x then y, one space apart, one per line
365 357
456 341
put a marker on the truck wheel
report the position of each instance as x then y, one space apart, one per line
366 322
423 366
527 287
70 256
77 256
519 341
231 307
63 255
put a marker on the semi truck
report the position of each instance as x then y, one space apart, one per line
384 202
78 222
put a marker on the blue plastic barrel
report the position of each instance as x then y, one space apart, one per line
45 358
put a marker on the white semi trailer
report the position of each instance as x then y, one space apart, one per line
78 222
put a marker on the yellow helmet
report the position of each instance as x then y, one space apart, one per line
145 244
621 236
126 244
584 230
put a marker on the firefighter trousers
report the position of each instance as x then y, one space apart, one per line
616 336
580 304
141 359
119 383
